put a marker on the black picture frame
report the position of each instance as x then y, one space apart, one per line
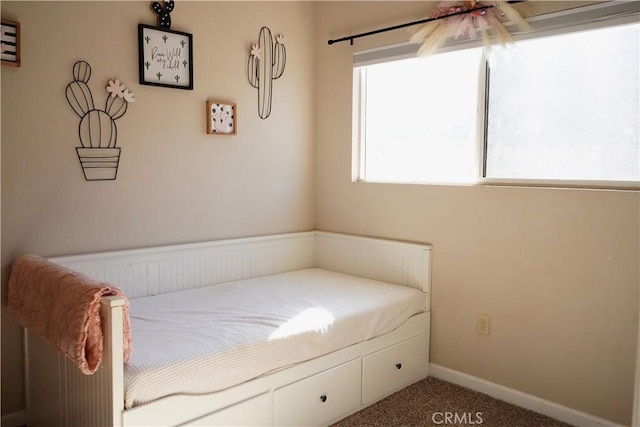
165 57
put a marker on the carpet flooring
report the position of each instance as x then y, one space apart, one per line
433 402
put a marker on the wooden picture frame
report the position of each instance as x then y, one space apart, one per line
165 57
222 118
10 35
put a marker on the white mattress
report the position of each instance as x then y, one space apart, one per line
208 339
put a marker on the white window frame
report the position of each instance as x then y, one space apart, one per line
585 18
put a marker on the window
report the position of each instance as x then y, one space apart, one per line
562 108
421 118
566 108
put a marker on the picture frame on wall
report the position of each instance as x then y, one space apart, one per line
165 57
10 35
222 118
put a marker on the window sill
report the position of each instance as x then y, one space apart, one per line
525 183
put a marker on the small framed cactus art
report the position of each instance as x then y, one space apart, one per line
222 118
166 57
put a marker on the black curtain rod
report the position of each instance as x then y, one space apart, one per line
409 24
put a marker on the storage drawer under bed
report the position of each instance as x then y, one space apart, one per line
319 399
394 367
252 412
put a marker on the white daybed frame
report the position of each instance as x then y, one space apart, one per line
317 392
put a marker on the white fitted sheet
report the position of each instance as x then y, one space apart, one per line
208 339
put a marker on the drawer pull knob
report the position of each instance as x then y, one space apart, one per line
323 398
398 365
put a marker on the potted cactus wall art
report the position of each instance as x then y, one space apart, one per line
266 64
98 155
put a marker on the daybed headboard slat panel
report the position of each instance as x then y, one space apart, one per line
404 263
151 271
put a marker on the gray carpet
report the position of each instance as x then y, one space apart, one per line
433 402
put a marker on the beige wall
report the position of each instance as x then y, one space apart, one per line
557 270
175 183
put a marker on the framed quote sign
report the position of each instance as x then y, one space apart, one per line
166 57
10 43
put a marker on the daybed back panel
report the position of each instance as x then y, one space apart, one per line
158 270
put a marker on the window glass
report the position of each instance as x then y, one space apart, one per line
420 119
566 107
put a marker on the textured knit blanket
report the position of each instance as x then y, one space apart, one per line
63 306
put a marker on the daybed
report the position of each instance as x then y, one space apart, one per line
293 329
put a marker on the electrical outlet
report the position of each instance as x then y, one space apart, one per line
483 324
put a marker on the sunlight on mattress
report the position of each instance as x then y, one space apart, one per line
312 319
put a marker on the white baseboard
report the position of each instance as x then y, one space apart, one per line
16 419
518 398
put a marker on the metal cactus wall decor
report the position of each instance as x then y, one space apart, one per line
164 17
99 156
266 64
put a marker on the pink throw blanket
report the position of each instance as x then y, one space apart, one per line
63 306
